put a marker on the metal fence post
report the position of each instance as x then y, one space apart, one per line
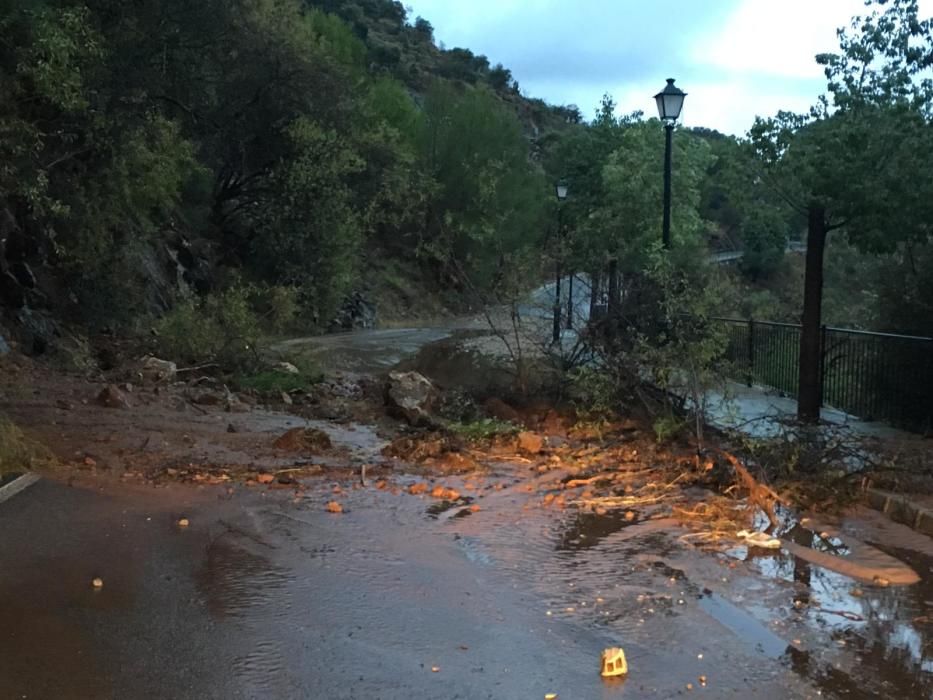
822 364
751 351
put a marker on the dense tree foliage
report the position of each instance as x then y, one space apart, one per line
863 164
276 137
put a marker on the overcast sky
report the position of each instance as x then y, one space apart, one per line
735 58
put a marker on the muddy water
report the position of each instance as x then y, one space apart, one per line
758 619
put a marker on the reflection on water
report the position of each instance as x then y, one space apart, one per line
587 529
889 629
234 580
863 641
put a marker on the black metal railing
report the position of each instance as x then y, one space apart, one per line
874 376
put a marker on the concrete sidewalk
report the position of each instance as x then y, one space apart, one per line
760 411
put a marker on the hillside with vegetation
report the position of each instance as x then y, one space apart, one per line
272 152
216 171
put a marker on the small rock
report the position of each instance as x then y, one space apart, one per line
97 583
303 440
286 368
334 507
231 428
530 443
286 399
112 397
183 522
265 478
445 494
64 405
128 388
90 462
418 489
208 399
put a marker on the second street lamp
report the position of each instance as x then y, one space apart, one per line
670 101
561 191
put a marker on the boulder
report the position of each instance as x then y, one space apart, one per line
35 331
235 405
24 275
111 397
411 396
530 443
154 371
499 409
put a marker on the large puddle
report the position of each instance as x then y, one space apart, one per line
849 638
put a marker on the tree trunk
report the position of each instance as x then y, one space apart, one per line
595 276
612 312
810 385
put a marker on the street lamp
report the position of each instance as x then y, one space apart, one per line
670 101
561 190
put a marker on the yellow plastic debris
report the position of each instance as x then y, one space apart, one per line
614 663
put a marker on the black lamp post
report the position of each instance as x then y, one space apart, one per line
670 101
560 190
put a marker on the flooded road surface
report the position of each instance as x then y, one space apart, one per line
265 595
369 351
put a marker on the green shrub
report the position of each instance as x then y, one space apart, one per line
223 328
279 306
484 429
17 452
272 381
667 427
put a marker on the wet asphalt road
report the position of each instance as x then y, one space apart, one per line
246 603
265 595
264 598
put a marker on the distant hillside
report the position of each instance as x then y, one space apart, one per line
405 48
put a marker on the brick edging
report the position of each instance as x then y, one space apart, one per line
901 510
